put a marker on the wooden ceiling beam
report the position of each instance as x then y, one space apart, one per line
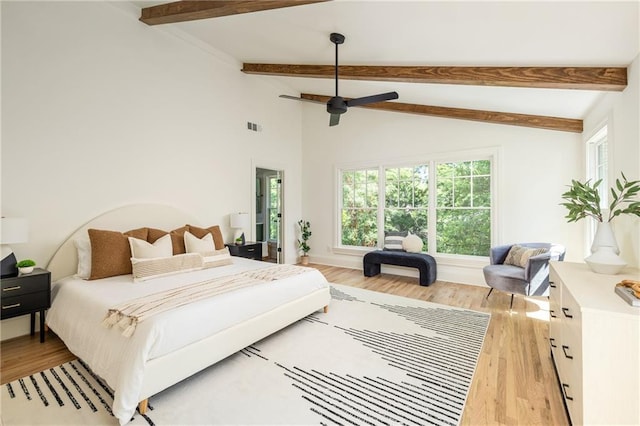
582 78
181 11
524 120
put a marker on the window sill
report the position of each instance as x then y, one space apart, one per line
353 251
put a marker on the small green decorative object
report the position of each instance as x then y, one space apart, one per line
26 266
26 263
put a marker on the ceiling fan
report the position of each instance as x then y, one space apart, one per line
337 105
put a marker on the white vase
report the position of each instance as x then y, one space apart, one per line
604 238
26 269
605 261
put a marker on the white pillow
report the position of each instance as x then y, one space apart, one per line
83 245
202 245
140 249
412 243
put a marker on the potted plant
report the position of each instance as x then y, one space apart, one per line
583 200
26 266
305 233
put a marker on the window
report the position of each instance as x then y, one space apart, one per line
598 167
359 213
463 218
273 207
448 204
407 200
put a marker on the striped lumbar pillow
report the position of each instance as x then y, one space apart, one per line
146 269
393 240
519 255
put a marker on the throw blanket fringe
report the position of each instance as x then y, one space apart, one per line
129 314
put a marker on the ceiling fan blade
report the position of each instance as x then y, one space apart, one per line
295 98
373 98
334 120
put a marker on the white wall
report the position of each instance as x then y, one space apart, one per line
100 110
621 111
534 168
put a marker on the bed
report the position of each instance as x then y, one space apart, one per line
175 344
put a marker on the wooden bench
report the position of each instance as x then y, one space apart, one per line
425 263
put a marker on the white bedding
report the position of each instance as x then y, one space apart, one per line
79 306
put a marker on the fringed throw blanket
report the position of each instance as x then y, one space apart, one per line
128 314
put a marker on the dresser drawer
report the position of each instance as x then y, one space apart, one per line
24 304
25 284
555 314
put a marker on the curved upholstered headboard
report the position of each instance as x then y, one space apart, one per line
65 260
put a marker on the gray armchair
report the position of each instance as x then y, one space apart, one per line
531 280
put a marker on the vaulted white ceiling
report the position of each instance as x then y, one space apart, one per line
431 33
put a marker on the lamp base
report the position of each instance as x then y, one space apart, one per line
8 266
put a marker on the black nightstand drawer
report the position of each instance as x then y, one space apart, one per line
25 304
24 284
248 250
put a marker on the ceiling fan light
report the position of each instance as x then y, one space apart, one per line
336 105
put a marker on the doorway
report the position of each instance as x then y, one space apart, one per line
268 214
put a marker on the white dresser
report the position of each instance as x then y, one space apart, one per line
595 343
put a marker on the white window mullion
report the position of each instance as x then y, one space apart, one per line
382 184
431 226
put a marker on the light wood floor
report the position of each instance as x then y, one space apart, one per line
514 384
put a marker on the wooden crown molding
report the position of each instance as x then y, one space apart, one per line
181 11
523 120
582 78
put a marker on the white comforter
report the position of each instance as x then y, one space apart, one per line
79 306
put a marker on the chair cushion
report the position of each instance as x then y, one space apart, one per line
504 271
519 256
507 278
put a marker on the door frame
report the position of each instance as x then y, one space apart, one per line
281 169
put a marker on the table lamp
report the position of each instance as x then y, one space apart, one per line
12 231
239 221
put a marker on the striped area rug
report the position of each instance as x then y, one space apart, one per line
373 359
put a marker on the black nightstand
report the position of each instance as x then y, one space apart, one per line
250 250
27 294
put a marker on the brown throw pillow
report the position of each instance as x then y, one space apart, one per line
111 253
218 241
177 238
519 256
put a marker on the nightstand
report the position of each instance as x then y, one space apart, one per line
27 294
250 250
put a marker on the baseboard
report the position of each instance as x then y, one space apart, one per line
453 270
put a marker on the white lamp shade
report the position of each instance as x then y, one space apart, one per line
239 220
14 230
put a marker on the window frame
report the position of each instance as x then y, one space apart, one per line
601 134
491 153
340 207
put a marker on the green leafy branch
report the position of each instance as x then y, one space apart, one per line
305 233
583 199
